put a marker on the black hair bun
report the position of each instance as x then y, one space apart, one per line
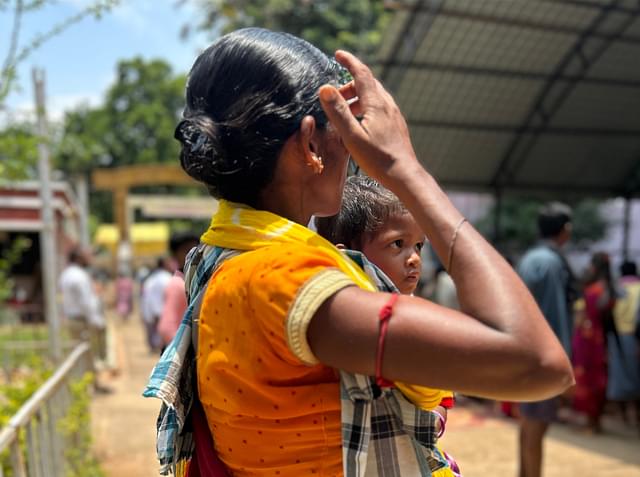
198 146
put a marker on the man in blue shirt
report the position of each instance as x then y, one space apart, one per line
546 272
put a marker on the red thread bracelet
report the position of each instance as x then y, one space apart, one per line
385 315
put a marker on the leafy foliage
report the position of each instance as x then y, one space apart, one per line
134 126
18 152
356 25
76 429
12 397
518 223
10 256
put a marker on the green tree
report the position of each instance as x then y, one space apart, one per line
18 152
518 223
134 126
356 25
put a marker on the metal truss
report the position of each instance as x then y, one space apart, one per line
410 39
554 93
459 13
441 67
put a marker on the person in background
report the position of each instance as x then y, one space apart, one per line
593 321
81 307
175 298
624 353
547 274
124 294
152 301
445 290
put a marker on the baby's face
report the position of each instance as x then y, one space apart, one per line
395 249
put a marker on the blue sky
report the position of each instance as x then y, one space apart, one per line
80 62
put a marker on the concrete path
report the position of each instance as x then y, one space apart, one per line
123 422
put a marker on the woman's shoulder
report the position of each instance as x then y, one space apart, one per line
283 268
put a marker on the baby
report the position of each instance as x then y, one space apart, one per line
372 220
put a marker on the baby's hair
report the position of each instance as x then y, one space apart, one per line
366 206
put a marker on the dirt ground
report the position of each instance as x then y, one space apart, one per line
483 443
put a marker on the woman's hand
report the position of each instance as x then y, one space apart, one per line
380 142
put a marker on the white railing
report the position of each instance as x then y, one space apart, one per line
37 420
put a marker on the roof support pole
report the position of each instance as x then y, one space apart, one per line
626 228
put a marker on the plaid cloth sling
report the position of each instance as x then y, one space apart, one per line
383 434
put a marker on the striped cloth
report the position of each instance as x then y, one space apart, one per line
383 434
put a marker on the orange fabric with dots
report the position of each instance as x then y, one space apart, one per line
269 413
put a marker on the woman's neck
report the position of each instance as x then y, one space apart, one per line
282 205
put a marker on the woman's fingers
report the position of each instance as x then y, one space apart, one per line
348 91
341 117
362 76
381 139
356 107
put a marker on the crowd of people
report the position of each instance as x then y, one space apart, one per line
161 299
595 316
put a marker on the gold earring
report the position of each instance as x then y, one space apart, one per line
316 163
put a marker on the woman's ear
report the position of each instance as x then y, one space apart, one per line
309 144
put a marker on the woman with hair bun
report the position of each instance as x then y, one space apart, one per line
293 350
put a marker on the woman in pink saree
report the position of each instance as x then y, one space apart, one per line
124 295
589 341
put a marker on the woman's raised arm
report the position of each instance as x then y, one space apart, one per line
499 346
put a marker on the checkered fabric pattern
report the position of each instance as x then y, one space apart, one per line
173 378
383 434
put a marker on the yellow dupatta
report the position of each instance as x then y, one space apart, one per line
239 227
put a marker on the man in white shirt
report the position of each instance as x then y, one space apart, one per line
153 294
79 301
81 305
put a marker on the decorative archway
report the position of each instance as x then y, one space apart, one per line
121 179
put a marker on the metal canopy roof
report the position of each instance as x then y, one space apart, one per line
520 95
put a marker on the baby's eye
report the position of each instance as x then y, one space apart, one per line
397 243
419 246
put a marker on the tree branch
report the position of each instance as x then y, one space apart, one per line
8 66
7 74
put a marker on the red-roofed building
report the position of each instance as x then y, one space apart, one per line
20 216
